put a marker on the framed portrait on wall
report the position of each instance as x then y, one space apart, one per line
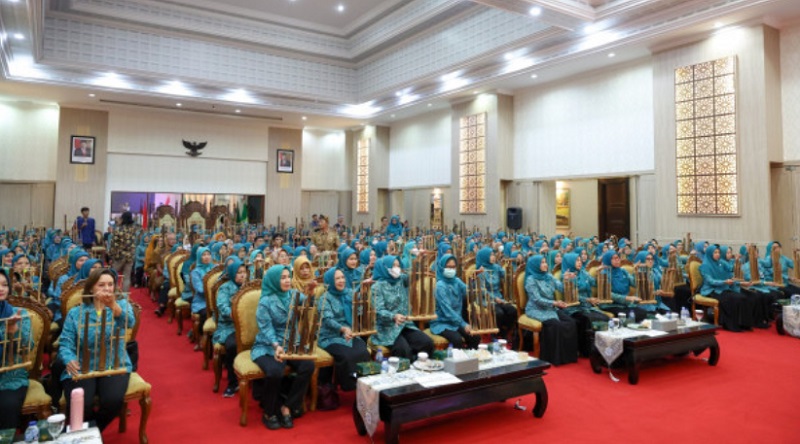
285 161
562 208
81 150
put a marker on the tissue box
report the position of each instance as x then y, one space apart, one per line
368 368
665 325
460 367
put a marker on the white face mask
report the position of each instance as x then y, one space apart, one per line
414 251
449 273
500 248
375 242
187 247
395 272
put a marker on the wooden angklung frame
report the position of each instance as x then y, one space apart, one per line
302 328
604 285
480 308
108 345
571 292
14 352
752 255
421 287
777 266
796 268
508 280
645 288
363 311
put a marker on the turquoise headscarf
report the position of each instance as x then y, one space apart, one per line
568 262
345 296
443 247
381 270
349 273
711 267
534 268
405 261
363 257
199 265
73 260
271 284
618 277
233 268
86 269
441 264
380 249
483 259
551 259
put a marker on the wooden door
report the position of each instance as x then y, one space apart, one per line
614 215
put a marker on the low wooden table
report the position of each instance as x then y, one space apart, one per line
413 402
644 348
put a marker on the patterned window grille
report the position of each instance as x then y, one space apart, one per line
472 164
362 184
705 107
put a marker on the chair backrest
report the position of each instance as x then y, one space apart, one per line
695 277
130 334
57 268
243 312
179 284
556 268
519 289
71 297
208 281
213 296
559 296
172 265
40 330
69 282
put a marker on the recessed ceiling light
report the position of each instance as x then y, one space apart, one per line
430 105
238 111
611 54
340 8
19 36
304 118
533 76
392 116
535 11
718 25
179 104
475 92
398 93
92 94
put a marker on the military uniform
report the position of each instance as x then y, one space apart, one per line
326 240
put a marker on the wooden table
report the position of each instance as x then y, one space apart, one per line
413 402
644 348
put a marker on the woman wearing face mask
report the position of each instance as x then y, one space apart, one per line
390 298
335 334
272 315
13 383
559 332
492 275
450 294
236 273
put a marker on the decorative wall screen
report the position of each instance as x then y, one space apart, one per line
362 176
472 164
705 107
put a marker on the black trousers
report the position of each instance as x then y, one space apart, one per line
271 390
163 295
410 342
461 339
506 317
110 392
736 310
559 340
11 407
138 276
230 355
346 359
682 298
583 321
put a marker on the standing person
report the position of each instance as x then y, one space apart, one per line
325 239
123 245
85 226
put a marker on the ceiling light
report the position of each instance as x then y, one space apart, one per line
179 104
533 76
175 88
475 92
535 11
398 93
340 8
19 36
718 25
392 116
239 95
238 111
304 118
611 54
111 80
588 29
430 105
365 109
92 94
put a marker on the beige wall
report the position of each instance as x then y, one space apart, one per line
29 141
583 208
754 47
284 198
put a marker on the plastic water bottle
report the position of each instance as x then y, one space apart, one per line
379 356
450 350
32 432
385 366
631 317
685 314
495 347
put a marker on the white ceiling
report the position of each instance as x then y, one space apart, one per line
317 63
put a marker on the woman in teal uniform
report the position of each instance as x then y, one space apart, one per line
224 335
13 383
450 296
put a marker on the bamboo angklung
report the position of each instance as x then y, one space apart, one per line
363 311
752 255
777 266
675 263
109 339
645 287
480 309
302 328
738 273
603 286
421 287
14 353
796 264
508 280
571 292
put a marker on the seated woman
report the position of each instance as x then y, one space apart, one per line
789 286
101 304
203 265
559 331
366 261
303 275
762 294
390 299
76 259
256 267
272 315
621 283
26 284
492 275
348 263
736 311
647 260
450 295
335 334
13 383
587 312
225 334
410 253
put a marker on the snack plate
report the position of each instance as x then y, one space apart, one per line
638 327
429 365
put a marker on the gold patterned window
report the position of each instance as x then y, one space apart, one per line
362 176
472 164
705 117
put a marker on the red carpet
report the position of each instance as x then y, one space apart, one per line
751 395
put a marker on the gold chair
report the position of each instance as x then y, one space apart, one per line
217 350
695 282
37 401
183 309
174 263
243 312
205 332
138 388
524 322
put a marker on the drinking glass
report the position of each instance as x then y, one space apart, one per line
55 425
623 318
698 314
394 365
